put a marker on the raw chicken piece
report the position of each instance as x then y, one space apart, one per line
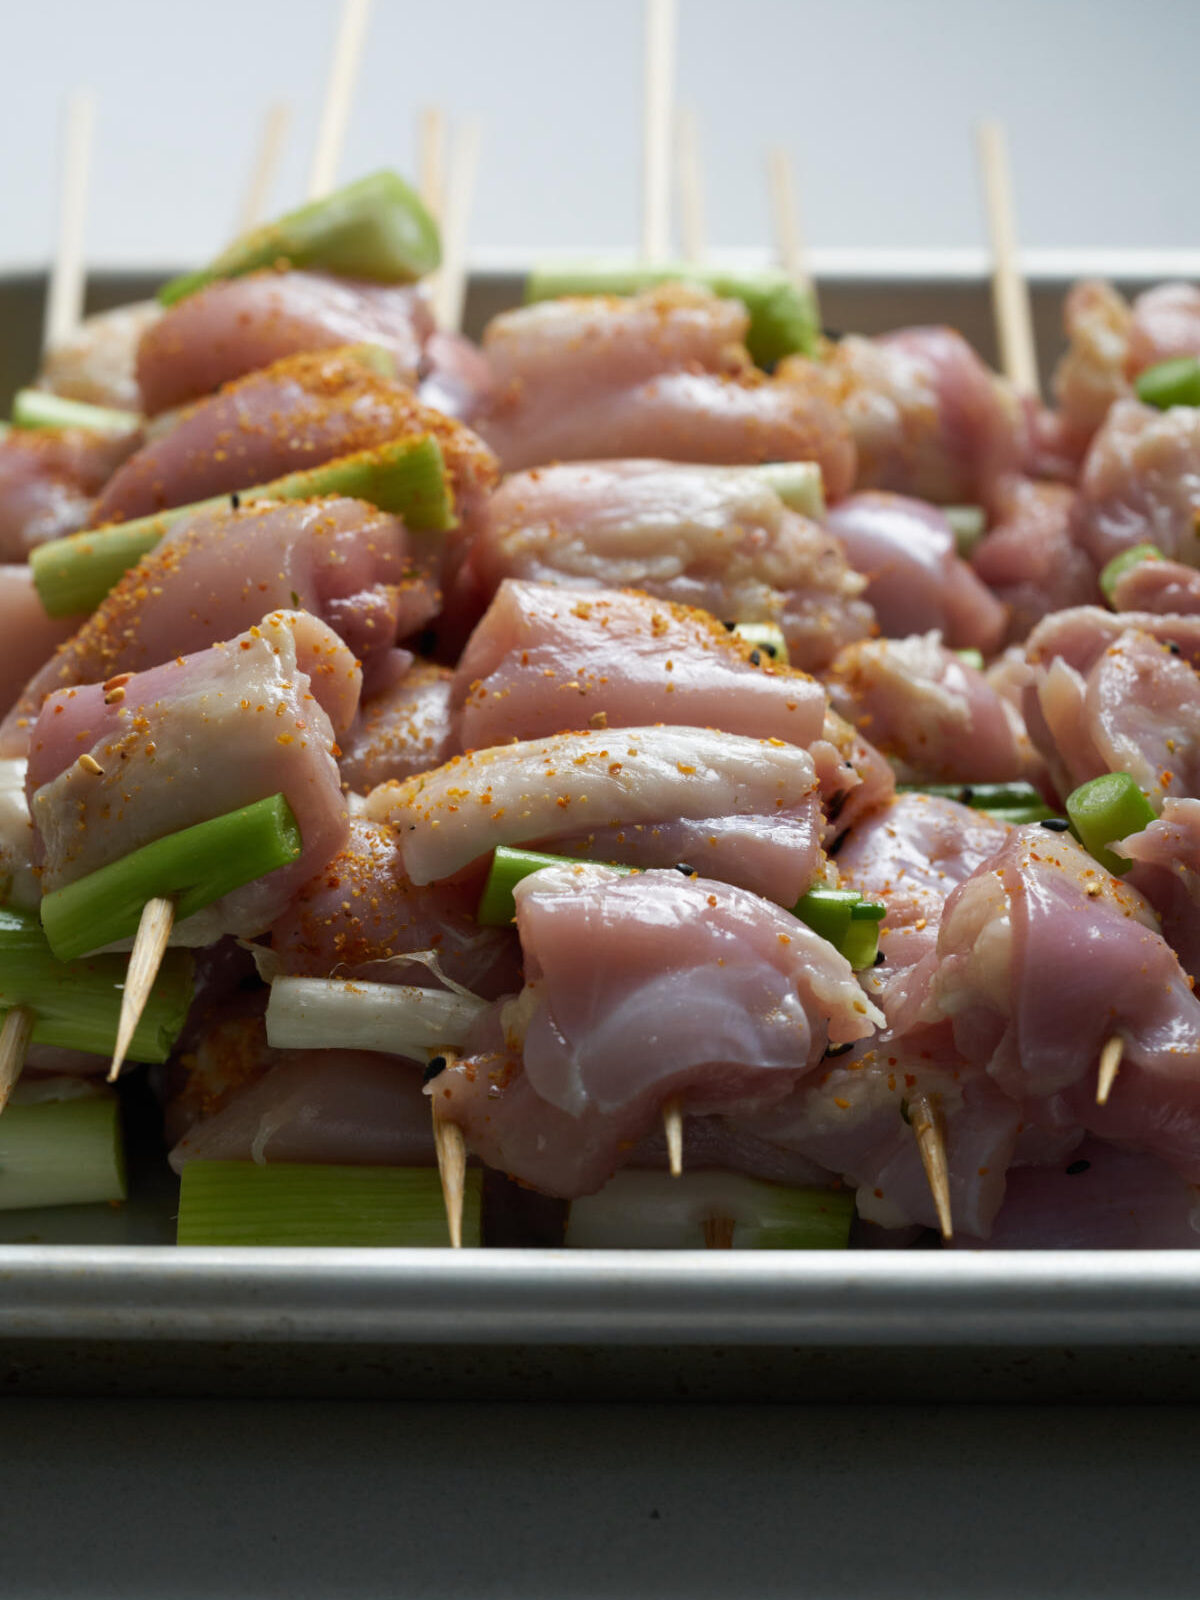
915 580
1030 558
1166 869
545 659
401 731
30 636
927 416
200 736
936 718
237 325
360 916
218 571
49 478
664 374
1140 484
1094 373
96 364
853 776
1098 1197
456 378
701 536
1166 587
296 414
752 805
638 990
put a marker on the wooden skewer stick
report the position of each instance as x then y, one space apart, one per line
657 92
14 1042
1110 1065
672 1116
64 296
690 182
339 90
460 191
718 1233
932 1147
266 164
431 159
1010 292
451 1149
149 947
785 215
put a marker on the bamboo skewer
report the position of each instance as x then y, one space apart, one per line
672 1117
451 290
932 1146
149 947
657 91
14 1042
1110 1065
718 1233
790 244
431 159
65 293
690 184
271 142
335 113
1010 292
451 1150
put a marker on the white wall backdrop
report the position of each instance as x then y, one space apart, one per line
876 98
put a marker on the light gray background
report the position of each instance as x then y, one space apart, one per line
876 99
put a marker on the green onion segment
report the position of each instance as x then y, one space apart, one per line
798 484
241 1203
654 1211
1170 383
76 1004
1107 808
783 316
764 637
497 907
406 477
193 867
61 1153
376 228
968 524
1113 571
346 1014
37 408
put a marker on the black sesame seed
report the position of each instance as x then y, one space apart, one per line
235 500
688 871
756 658
436 1065
1174 648
729 626
1056 824
879 959
1077 1167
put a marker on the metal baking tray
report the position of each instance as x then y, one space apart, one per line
96 1301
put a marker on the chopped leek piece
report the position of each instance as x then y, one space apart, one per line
653 1211
1113 571
797 483
193 867
37 408
783 318
406 477
982 796
61 1153
971 658
1018 816
827 912
860 946
76 1004
376 228
496 907
968 523
1171 383
1109 807
341 1014
765 637
240 1203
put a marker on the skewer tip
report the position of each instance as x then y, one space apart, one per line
451 1150
672 1116
14 1042
932 1147
149 947
1110 1065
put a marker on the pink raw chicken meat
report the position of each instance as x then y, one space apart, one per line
200 736
456 377
928 418
916 581
30 636
1165 587
545 659
1140 484
713 538
1031 559
638 990
218 571
49 478
95 364
401 731
360 916
238 325
662 374
935 717
744 810
1166 869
